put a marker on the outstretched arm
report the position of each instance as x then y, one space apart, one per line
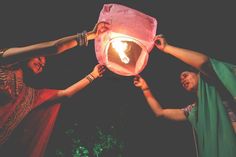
54 47
190 57
172 114
70 91
41 49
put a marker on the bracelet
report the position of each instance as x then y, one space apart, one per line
82 38
145 89
90 77
84 35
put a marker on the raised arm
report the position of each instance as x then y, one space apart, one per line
54 47
190 57
70 91
172 114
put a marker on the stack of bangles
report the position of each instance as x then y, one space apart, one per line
82 38
90 77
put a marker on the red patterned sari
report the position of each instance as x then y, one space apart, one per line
27 116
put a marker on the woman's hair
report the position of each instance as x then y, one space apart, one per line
29 78
192 69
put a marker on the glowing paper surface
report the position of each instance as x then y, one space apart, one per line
125 48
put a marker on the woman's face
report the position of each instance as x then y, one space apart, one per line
36 64
189 80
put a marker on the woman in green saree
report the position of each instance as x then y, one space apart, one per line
212 115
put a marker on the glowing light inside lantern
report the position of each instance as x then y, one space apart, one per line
120 48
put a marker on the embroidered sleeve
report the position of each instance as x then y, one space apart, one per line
188 109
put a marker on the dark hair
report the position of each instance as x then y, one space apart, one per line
29 78
190 70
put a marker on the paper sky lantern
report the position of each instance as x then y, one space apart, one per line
125 48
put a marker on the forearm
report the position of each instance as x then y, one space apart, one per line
70 91
66 43
172 114
190 57
54 47
153 103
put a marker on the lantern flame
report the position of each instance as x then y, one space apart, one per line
120 48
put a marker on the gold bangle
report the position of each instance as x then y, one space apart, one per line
90 78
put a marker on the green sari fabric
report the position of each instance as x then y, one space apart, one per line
215 134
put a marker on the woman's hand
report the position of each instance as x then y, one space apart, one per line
160 42
98 71
140 82
99 28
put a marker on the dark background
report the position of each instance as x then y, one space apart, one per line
112 101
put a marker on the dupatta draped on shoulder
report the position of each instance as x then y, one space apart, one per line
215 134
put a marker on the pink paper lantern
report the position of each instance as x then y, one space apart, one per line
125 48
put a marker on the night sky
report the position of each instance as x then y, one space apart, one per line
112 101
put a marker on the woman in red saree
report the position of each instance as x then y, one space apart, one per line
27 115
